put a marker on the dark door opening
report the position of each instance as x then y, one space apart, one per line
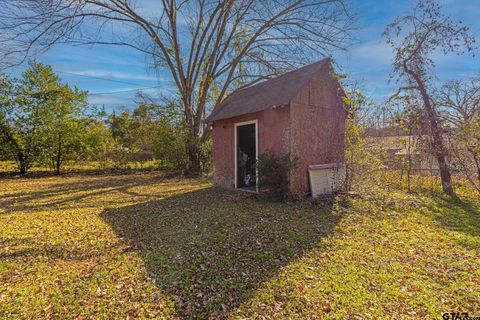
246 156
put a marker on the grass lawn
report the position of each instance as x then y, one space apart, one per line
143 245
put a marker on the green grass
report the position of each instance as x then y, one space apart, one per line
145 246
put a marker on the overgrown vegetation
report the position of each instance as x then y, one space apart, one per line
415 38
274 173
459 103
150 131
362 160
47 124
147 246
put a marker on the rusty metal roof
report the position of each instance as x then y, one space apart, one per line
278 91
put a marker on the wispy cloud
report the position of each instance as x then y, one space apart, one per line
110 100
111 74
375 51
118 97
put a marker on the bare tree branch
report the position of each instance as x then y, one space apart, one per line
414 38
209 47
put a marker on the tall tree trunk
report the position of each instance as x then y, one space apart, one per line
58 164
194 139
22 163
194 167
437 140
58 160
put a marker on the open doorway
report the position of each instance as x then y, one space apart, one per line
246 154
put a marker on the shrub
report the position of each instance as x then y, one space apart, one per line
274 174
120 157
169 145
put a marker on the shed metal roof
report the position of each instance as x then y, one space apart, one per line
278 91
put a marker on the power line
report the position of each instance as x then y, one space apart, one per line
113 80
121 91
100 78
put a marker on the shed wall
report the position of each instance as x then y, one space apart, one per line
273 135
317 120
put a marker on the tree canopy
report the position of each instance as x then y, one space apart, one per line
39 117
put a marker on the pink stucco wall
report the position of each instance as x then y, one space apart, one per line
273 135
311 128
317 120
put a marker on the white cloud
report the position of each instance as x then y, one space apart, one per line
376 51
115 75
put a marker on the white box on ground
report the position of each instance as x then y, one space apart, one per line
326 178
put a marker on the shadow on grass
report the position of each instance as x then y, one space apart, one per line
212 248
62 193
458 214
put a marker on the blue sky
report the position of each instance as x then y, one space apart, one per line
367 60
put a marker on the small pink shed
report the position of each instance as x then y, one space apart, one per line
300 112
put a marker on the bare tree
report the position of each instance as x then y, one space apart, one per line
209 47
414 38
459 106
459 101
